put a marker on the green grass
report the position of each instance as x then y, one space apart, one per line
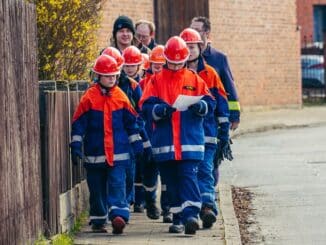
64 238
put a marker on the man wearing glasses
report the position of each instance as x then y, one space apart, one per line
219 61
145 31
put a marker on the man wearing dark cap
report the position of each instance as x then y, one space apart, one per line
124 35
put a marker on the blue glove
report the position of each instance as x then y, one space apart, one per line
76 155
162 111
200 108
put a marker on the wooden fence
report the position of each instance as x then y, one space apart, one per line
64 192
20 184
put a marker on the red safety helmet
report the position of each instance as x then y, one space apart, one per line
106 65
191 36
157 55
132 56
113 52
145 64
176 50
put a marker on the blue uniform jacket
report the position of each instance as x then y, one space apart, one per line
216 125
180 137
105 123
133 91
220 63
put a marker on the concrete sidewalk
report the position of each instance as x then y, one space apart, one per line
260 121
142 230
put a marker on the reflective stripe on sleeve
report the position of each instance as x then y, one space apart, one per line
211 140
134 137
147 144
234 105
223 119
76 138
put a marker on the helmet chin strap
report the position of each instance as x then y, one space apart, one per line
106 90
194 60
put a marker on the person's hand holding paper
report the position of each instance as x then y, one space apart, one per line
184 101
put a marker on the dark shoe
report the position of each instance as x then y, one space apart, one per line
167 217
98 228
152 211
191 226
118 224
176 228
208 217
138 208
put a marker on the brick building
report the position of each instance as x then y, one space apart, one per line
312 20
260 38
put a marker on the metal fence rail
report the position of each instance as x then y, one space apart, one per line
313 66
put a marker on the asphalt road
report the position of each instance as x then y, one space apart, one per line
286 169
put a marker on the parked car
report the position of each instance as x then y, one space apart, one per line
312 67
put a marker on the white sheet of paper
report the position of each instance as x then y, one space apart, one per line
184 101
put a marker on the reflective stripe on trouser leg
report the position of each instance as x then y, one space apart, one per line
206 180
97 186
188 188
117 192
150 174
169 176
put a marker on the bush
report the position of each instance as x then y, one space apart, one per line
66 37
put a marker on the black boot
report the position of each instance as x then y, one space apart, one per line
138 208
208 217
152 211
176 228
167 216
191 226
98 228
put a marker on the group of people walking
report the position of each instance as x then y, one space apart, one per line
128 130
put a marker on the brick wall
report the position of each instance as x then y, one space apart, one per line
305 18
111 9
263 47
259 37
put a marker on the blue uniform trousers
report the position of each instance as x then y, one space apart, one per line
117 199
150 175
206 179
183 193
150 180
97 186
130 177
139 188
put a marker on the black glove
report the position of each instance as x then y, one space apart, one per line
163 110
200 108
226 150
76 155
223 151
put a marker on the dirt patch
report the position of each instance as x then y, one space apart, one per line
244 211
